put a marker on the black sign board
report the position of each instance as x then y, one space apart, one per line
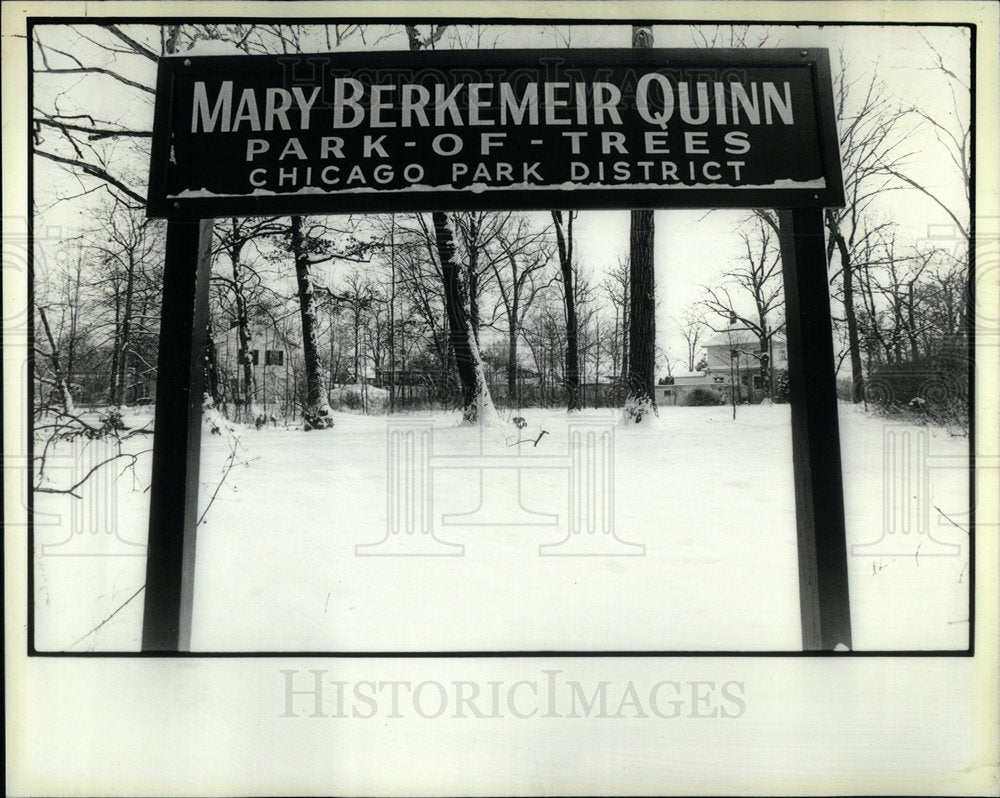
489 129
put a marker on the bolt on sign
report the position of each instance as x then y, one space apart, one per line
493 129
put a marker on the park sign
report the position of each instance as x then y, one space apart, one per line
502 129
524 129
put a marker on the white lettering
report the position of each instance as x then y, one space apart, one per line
415 98
380 104
517 110
552 104
642 99
256 147
342 101
220 113
275 110
476 103
246 111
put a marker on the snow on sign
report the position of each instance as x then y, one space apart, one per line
493 129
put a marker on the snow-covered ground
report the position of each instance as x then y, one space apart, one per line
710 499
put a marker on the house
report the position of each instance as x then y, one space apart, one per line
269 357
677 389
734 356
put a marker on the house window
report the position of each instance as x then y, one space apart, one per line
756 382
719 379
781 353
255 356
274 357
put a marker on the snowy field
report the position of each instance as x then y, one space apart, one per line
706 501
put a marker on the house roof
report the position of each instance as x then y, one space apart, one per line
740 335
678 375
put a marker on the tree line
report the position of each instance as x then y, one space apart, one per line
477 299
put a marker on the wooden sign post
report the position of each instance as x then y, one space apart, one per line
173 497
497 129
819 492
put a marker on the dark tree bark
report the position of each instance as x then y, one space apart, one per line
642 318
316 411
911 322
459 332
853 344
564 245
512 363
59 376
626 305
212 368
458 323
121 378
473 276
242 321
641 397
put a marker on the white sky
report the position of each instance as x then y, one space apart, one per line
692 247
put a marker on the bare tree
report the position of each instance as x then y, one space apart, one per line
641 398
736 36
692 326
564 245
241 287
870 141
953 131
460 333
310 243
127 247
616 288
523 257
477 231
756 283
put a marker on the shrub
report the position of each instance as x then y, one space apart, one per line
780 391
935 388
702 397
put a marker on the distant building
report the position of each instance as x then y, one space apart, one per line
680 387
270 360
732 356
735 355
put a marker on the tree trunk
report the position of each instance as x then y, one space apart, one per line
765 363
126 338
316 412
626 301
853 346
60 376
641 396
473 275
642 317
212 368
458 323
512 356
911 324
564 243
113 397
244 358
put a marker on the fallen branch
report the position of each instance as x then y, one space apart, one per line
72 488
112 615
532 441
230 464
950 521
